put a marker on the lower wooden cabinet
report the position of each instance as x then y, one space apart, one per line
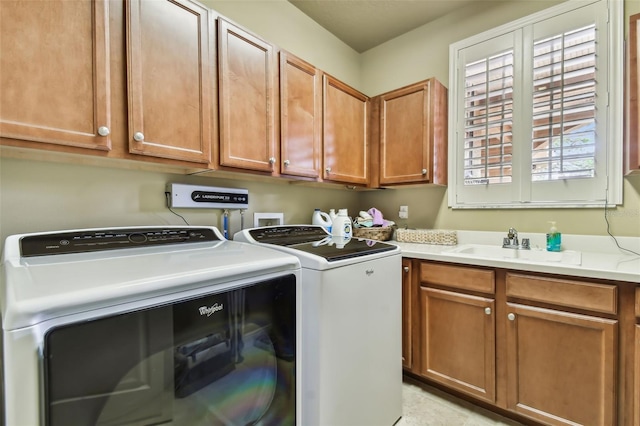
636 389
407 314
458 341
636 393
561 367
545 348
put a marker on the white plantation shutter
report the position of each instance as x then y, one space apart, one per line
536 117
488 119
564 107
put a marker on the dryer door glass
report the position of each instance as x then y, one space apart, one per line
220 359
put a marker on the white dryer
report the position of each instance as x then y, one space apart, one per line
351 324
148 326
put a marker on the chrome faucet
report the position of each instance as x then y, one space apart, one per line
511 241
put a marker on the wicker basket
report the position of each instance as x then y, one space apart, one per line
375 233
427 236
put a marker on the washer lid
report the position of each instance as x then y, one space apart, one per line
40 287
338 248
316 241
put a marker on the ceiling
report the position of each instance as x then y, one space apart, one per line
363 24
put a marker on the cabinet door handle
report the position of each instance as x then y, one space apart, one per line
511 316
406 269
487 311
272 160
424 172
286 163
328 170
138 136
103 131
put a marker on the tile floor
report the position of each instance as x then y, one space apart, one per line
427 406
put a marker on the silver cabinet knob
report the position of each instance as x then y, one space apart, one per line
103 131
286 163
138 137
511 317
424 172
406 269
272 160
328 170
487 311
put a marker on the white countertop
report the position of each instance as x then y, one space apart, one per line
601 258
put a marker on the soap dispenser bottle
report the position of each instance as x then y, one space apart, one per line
554 238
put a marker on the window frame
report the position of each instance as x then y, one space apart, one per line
518 193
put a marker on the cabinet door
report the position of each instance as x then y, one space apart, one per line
169 79
636 391
54 72
407 312
413 142
632 142
248 102
561 367
300 117
458 341
345 133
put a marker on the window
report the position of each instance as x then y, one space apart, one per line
536 111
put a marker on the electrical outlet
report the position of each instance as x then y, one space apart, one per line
404 212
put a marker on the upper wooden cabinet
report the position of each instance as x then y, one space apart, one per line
410 127
248 101
345 133
300 117
155 81
170 79
54 72
632 143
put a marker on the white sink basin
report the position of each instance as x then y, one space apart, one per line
567 257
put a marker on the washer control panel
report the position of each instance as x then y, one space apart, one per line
111 239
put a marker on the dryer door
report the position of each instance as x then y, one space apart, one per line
220 359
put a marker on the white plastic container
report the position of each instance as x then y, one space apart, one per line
322 219
341 226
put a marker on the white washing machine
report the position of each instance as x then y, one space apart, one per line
147 326
351 324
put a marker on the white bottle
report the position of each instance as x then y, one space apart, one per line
332 214
341 226
321 219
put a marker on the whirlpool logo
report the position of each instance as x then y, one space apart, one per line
210 310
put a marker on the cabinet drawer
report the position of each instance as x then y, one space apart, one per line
638 302
460 277
572 294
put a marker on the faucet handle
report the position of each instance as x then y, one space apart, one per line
526 244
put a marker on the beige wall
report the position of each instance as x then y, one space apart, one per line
424 52
42 196
38 196
288 28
